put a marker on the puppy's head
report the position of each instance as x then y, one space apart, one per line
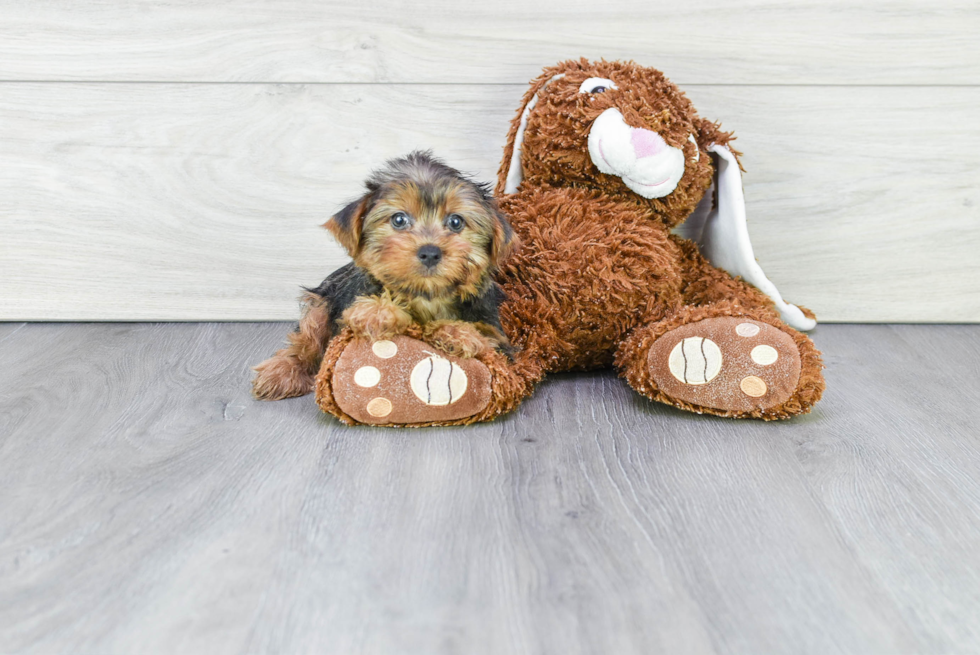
616 127
423 228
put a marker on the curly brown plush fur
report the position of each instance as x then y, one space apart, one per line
600 277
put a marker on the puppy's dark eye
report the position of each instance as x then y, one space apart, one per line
401 221
598 89
455 223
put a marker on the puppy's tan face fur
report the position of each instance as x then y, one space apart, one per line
425 231
408 217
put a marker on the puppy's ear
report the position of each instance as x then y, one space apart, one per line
504 242
347 224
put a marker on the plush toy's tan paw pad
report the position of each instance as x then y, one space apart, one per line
726 363
404 381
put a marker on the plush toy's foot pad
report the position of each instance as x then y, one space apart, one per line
727 363
406 381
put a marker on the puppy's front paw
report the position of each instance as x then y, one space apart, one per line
458 338
376 318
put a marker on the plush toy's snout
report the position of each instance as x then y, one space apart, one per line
640 157
646 143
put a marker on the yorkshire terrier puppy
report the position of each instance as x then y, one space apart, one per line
426 242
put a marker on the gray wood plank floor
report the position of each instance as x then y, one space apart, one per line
148 505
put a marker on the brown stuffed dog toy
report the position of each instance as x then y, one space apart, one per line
634 254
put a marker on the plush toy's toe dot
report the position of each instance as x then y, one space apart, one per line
747 329
753 386
695 360
764 355
437 381
379 407
385 349
367 376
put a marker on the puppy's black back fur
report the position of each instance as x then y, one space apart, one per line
341 287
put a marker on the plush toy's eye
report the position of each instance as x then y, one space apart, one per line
596 85
454 223
401 221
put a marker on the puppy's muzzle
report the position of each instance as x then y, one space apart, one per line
429 255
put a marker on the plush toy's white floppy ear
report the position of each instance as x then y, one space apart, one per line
723 236
515 173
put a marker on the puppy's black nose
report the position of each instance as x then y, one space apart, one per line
429 255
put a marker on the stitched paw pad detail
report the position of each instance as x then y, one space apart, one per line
695 360
406 381
727 363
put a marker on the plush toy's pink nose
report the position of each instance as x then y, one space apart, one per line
646 143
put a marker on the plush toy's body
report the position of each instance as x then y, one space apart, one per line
602 165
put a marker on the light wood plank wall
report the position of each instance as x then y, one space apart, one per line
173 160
